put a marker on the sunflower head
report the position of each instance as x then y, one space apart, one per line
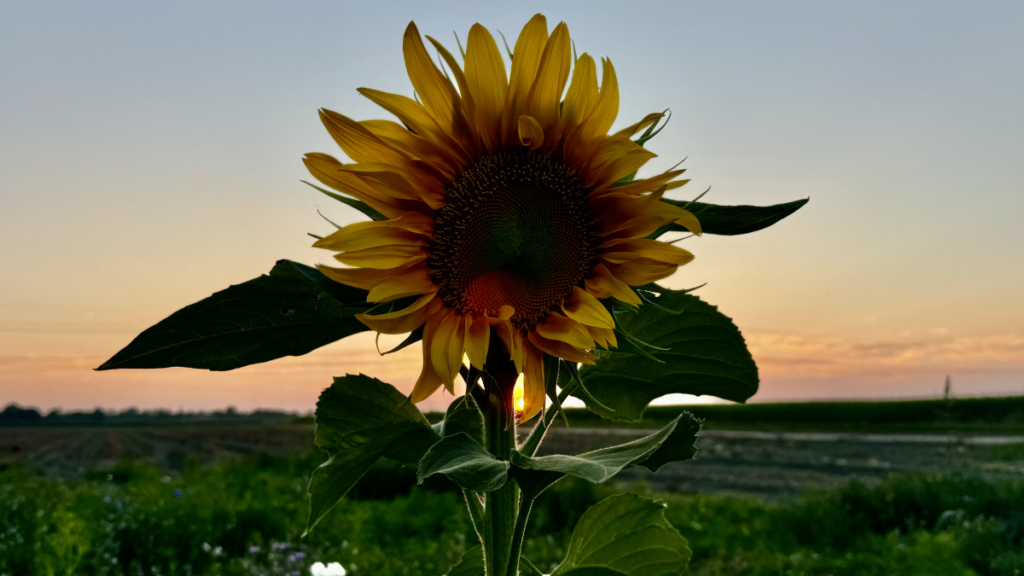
503 207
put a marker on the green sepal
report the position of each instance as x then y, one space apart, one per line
357 204
464 461
643 139
581 389
625 534
290 312
697 350
359 420
413 337
552 375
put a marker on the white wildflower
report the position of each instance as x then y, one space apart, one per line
332 569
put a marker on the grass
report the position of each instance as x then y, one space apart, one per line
993 415
246 517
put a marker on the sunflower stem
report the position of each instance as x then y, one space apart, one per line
502 506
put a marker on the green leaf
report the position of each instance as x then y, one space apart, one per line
731 220
704 354
292 311
674 442
464 415
626 533
358 420
471 563
357 204
679 447
466 462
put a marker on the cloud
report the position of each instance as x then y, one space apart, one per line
801 356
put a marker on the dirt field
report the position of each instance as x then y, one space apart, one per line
777 465
770 465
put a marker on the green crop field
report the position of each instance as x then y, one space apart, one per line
997 415
245 517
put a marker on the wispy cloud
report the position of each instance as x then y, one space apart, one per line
795 355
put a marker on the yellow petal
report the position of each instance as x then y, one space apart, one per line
488 85
629 131
365 278
603 285
560 349
509 335
646 185
533 383
640 271
604 337
429 381
326 169
411 228
416 146
393 256
587 310
614 159
392 181
357 142
446 349
413 115
345 239
638 216
558 327
437 93
525 61
607 108
627 250
404 320
552 73
530 133
478 339
469 104
413 282
582 96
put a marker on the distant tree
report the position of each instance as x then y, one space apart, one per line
15 413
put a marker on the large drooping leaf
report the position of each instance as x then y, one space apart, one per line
293 310
731 220
358 420
700 352
466 462
625 533
471 563
674 442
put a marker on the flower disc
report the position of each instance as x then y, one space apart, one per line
516 230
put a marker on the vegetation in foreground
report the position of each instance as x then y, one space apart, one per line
246 517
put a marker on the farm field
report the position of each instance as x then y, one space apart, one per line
220 499
770 465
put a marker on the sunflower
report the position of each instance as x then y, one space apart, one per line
501 208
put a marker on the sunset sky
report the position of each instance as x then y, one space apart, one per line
150 155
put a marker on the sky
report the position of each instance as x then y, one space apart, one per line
150 155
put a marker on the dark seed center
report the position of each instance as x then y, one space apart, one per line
516 229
